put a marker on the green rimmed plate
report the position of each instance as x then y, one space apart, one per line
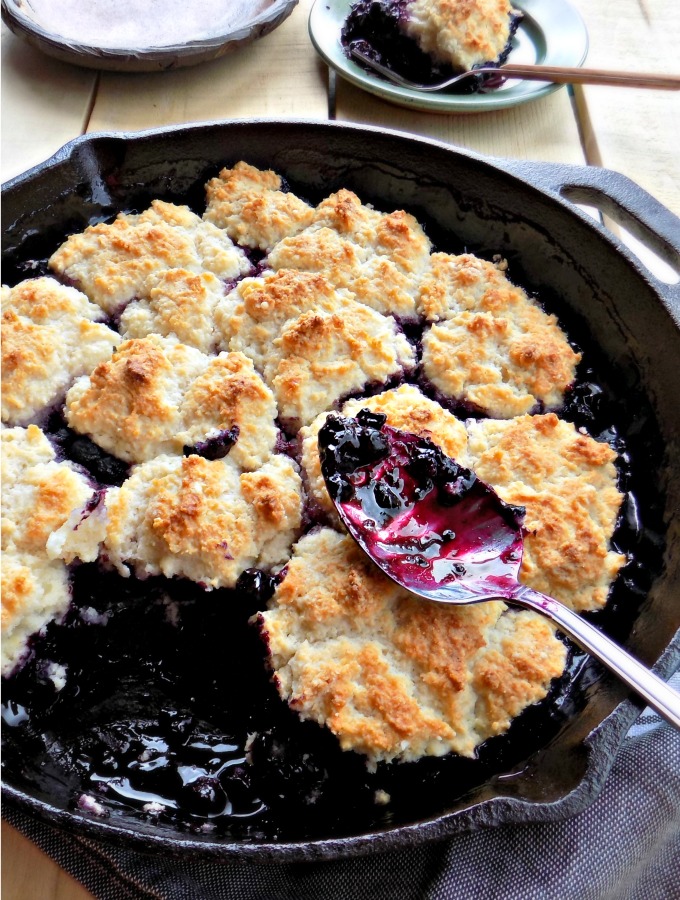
551 33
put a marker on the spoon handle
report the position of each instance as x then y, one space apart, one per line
659 695
562 75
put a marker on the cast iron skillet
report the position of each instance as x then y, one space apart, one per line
621 314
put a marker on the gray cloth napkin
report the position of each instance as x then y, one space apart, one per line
625 846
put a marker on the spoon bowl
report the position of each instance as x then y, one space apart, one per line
441 533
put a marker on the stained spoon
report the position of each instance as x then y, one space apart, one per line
440 532
554 74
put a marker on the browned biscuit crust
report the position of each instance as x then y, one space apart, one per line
393 677
156 396
503 367
112 262
203 519
179 303
568 483
38 497
379 257
312 342
461 33
250 205
50 336
490 344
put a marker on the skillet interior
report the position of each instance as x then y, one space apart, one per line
558 762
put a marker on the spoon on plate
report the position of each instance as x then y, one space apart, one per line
555 74
440 532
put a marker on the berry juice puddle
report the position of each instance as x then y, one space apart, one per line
152 700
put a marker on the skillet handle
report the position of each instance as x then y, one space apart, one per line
659 695
622 200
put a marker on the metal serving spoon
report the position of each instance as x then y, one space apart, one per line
555 74
435 529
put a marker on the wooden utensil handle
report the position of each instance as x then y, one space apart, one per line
562 75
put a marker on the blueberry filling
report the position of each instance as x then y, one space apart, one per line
102 466
169 763
216 447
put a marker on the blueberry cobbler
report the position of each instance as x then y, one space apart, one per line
428 41
189 634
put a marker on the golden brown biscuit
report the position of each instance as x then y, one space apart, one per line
39 493
568 484
177 303
466 283
35 591
50 336
502 366
202 519
250 205
344 212
313 343
460 33
130 405
322 358
156 396
374 279
251 317
38 497
394 677
229 393
112 262
379 257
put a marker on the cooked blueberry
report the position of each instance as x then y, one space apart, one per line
334 425
216 447
449 469
176 725
339 488
371 419
205 796
257 584
285 771
372 446
237 783
423 462
345 445
451 491
108 763
386 497
101 465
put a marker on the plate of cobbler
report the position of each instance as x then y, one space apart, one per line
196 657
429 41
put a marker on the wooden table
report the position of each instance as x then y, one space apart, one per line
46 103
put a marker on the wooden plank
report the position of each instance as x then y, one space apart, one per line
45 103
544 129
29 874
632 130
278 75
